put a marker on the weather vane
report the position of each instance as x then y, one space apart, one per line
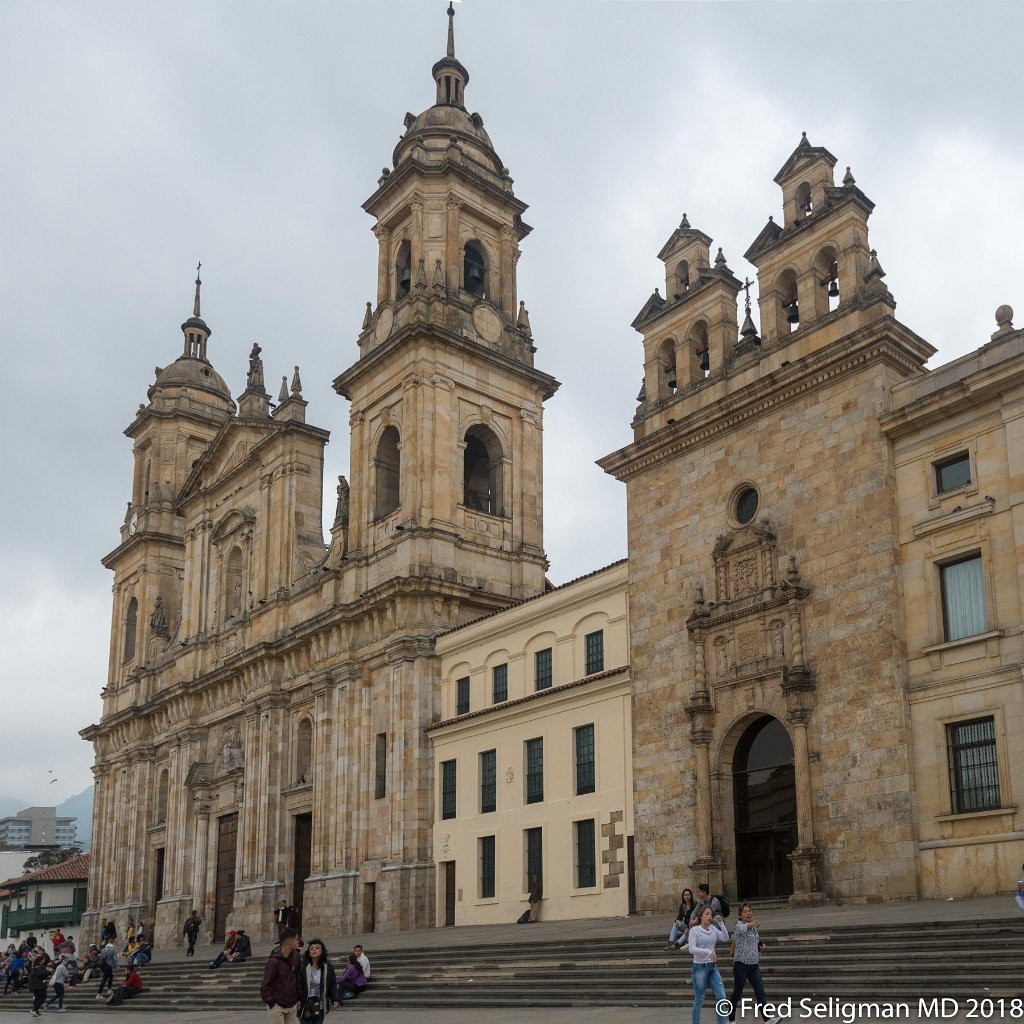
746 288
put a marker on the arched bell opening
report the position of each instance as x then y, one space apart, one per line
681 280
131 629
826 272
403 271
474 270
788 309
804 203
482 471
700 350
764 810
668 379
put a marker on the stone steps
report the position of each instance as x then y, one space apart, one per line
895 962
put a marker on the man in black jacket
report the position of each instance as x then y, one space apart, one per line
280 987
38 980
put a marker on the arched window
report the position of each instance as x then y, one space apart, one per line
233 586
388 473
700 350
131 627
474 270
403 271
161 798
482 471
304 752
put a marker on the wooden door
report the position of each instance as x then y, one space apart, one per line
449 893
227 852
303 862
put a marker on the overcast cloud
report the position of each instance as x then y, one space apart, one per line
141 137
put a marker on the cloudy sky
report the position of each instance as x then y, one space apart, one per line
142 137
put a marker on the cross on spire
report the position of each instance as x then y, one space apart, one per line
195 306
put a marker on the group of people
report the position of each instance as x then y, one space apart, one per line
309 985
699 927
29 966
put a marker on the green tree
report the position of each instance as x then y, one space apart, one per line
48 858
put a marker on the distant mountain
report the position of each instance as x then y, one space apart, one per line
78 806
10 807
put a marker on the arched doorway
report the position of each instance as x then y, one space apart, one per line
764 798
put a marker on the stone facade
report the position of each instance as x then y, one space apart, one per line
815 695
263 730
577 710
777 525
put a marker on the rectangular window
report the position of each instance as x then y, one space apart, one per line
584 737
447 789
963 599
952 473
499 683
534 856
488 781
586 858
462 696
594 647
542 669
381 768
487 867
534 771
973 767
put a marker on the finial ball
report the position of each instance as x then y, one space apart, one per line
1004 316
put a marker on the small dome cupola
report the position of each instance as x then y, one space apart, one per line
451 77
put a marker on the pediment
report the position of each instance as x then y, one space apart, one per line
769 235
652 306
228 451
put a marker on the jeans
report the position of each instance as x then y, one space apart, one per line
58 994
678 932
221 957
107 981
191 936
703 975
741 974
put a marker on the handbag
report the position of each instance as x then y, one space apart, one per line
310 1008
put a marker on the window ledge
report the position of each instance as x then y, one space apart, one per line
946 519
967 815
950 645
590 890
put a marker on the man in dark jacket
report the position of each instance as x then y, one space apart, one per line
243 947
280 987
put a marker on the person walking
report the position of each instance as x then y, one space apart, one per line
279 989
318 983
536 895
107 963
681 925
60 979
705 933
746 964
38 979
191 931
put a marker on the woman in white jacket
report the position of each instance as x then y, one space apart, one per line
704 935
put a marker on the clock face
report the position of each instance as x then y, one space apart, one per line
133 524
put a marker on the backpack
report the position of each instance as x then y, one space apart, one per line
724 904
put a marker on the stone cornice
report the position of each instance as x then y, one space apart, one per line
885 341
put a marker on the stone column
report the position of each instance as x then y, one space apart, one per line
507 293
416 239
453 272
383 263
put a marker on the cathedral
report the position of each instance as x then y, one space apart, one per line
803 682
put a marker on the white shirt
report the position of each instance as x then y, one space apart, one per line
365 964
702 941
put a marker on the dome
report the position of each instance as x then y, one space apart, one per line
436 127
188 372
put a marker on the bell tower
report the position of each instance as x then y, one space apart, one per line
188 404
447 406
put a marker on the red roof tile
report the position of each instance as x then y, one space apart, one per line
74 870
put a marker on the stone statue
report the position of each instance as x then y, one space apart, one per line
158 620
778 645
232 755
723 659
341 515
254 381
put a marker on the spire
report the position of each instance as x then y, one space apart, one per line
451 77
194 328
282 395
